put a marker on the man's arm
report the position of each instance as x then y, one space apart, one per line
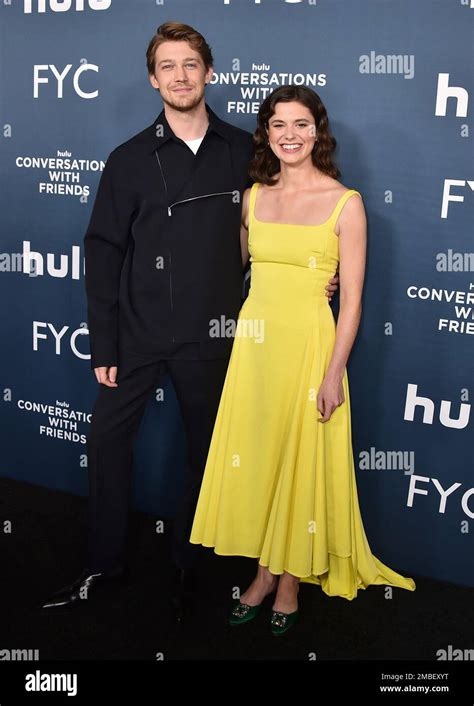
105 246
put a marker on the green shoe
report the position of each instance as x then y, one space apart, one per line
281 622
242 613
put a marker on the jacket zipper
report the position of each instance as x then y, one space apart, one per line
193 198
171 287
169 250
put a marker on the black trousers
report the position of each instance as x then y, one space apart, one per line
116 418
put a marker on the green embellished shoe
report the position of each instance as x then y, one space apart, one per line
242 613
281 622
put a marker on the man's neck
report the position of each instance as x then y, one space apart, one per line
188 125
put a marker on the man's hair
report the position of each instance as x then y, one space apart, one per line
178 32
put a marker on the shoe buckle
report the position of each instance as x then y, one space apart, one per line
241 610
279 620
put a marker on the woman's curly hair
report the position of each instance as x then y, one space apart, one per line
265 164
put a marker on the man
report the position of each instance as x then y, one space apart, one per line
163 259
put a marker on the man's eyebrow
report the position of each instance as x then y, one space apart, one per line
187 58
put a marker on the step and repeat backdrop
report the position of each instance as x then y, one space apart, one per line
396 78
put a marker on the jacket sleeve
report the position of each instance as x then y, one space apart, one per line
105 246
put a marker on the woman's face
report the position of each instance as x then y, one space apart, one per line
291 132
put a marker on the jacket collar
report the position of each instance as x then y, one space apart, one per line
215 125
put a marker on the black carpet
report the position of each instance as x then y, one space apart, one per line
45 550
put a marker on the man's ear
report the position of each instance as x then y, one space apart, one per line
209 74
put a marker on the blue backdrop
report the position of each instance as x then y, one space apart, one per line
395 76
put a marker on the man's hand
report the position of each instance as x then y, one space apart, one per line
106 376
332 286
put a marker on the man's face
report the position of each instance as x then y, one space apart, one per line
180 75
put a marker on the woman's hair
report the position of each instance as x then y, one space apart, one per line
265 164
178 32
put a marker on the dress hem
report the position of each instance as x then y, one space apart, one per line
316 579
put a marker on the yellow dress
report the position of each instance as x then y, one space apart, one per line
279 485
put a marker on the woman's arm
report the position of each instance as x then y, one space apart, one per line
352 257
244 228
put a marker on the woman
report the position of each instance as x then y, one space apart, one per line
279 482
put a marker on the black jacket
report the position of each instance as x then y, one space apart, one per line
162 248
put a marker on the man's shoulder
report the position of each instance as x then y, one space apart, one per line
237 132
144 140
135 144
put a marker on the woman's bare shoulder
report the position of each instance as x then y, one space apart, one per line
245 207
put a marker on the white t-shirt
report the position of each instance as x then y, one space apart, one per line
194 144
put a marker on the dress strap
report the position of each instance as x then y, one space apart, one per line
252 200
340 205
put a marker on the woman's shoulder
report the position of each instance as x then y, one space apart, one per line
331 187
337 188
345 189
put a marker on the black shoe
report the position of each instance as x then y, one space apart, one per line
82 588
183 599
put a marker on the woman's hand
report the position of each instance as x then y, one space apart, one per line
330 396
